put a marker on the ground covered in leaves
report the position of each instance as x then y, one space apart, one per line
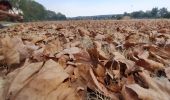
86 60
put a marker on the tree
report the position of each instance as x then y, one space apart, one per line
125 14
148 14
154 12
51 15
137 14
163 12
60 16
167 15
33 11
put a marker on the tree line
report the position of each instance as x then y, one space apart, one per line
154 13
34 11
149 14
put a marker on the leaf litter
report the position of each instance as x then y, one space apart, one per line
86 60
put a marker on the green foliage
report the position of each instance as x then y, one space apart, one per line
60 16
51 15
154 13
33 11
137 14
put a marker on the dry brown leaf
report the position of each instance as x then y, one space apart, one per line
53 47
31 46
129 94
25 49
2 58
38 55
167 71
75 44
10 53
120 58
63 61
63 92
158 89
2 88
83 32
101 87
70 69
83 72
164 30
22 79
158 51
70 51
150 64
21 48
102 54
38 38
82 57
143 55
99 37
147 63
27 77
43 83
100 71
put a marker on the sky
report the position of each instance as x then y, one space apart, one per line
73 8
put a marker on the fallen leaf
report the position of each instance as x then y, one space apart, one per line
101 87
70 51
23 78
150 64
48 78
158 89
10 53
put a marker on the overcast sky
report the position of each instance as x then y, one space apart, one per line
72 8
